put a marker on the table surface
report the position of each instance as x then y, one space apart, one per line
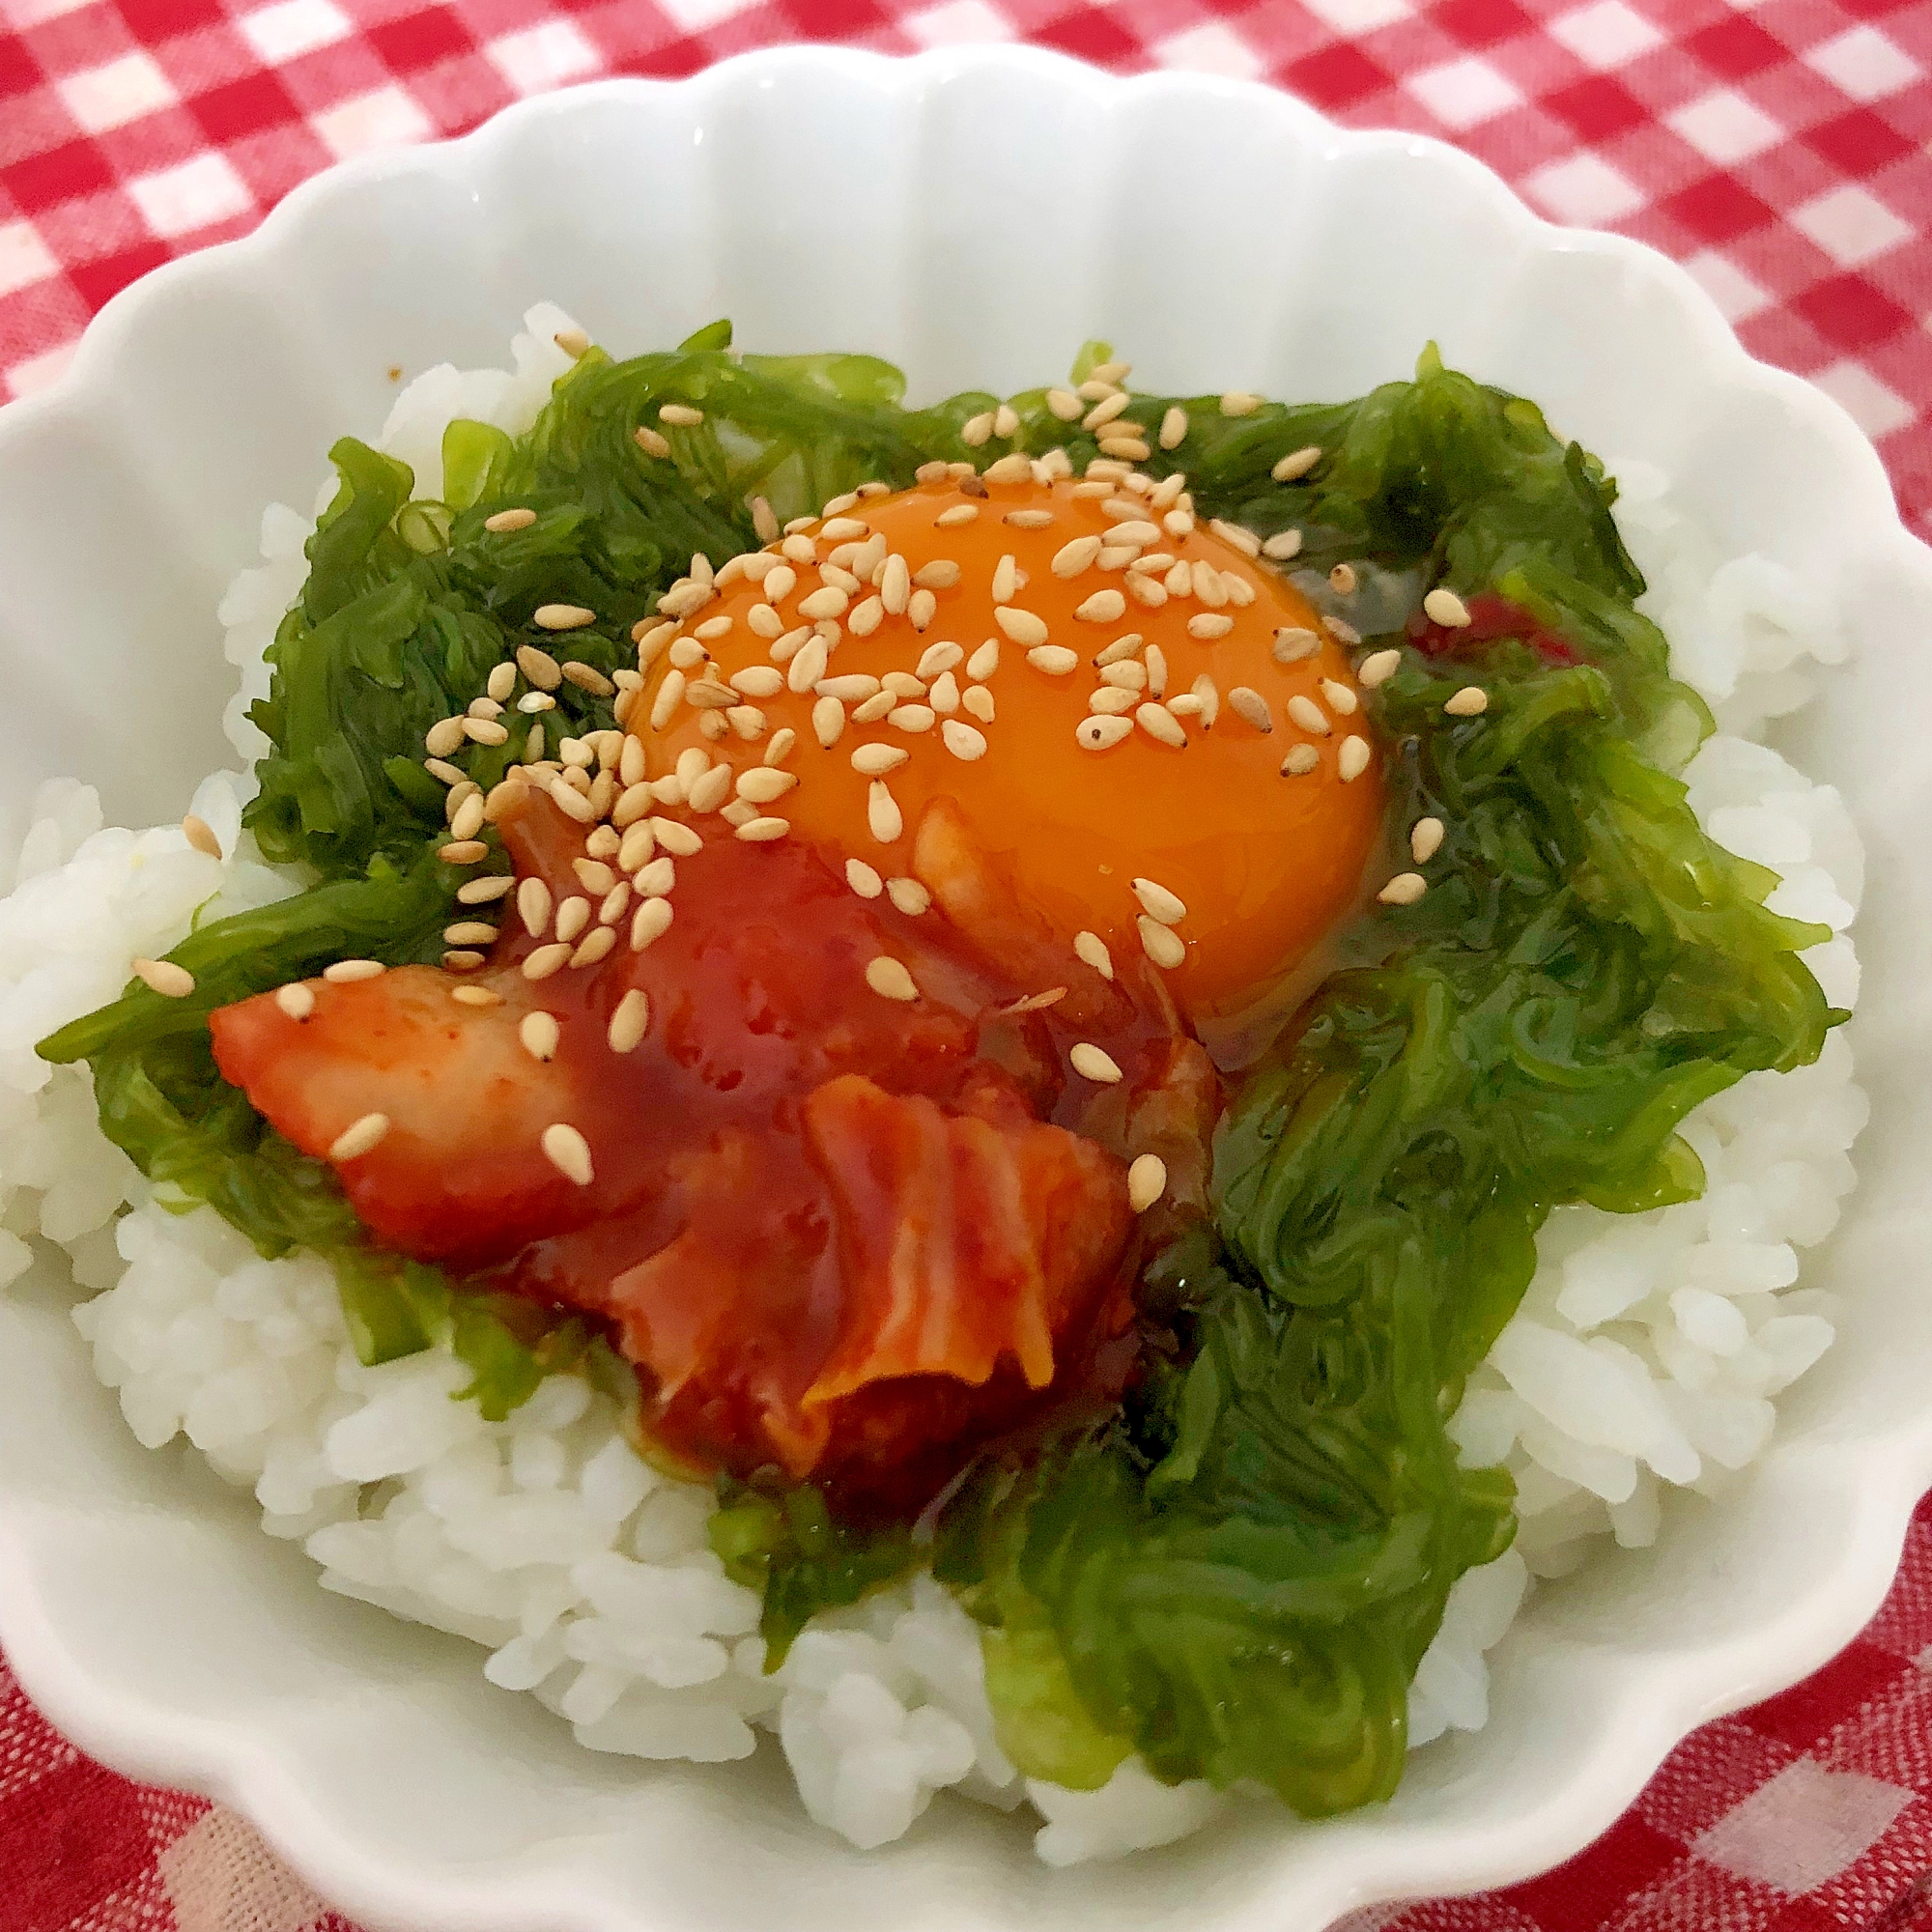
1777 150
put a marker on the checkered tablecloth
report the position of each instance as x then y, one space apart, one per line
1777 149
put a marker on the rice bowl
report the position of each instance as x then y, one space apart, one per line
1749 614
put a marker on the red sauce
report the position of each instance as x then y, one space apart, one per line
848 1236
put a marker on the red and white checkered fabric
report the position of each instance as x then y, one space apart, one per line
1777 149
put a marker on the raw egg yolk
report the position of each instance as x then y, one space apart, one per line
1143 724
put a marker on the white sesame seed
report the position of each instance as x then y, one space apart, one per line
572 917
1309 715
1292 643
765 519
540 1033
1155 660
1133 447
637 847
1158 902
296 1000
799 548
1112 700
651 920
1342 701
975 430
346 972
828 721
1443 607
1472 702
1015 468
564 1148
1127 674
166 979
547 959
1093 949
1055 660
1296 463
650 442
628 1022
883 817
670 695
562 617
962 740
941 573
1425 841
903 684
867 617
779 746
1204 689
1245 701
571 802
807 667
680 415
1163 946
1283 545
1173 427
889 979
1094 1064
1178 524
676 836
827 601
863 879
1103 412
911 718
1122 647
1405 888
1064 403
1005 579
1351 760
978 700
463 852
874 761
959 513
944 696
763 831
1341 580
910 897
1103 606
1159 723
1147 1181
762 786
359 1137
1210 624
1028 520
985 661
1100 735
533 906
711 790
654 880
921 608
476 996
437 768
1024 627
470 932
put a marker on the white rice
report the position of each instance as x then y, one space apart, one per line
1644 1357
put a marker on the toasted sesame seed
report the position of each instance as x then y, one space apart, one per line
883 817
463 851
763 831
1245 701
505 520
1239 403
874 761
1094 1064
1296 463
1300 761
1309 715
1159 723
921 608
1283 545
761 785
359 1137
1134 449
1100 735
296 1000
484 707
651 920
562 617
1173 427
1351 759
443 737
1158 902
200 835
657 877
889 979
978 700
1425 841
1472 702
437 768
962 740
1103 606
566 1150
540 1034
1055 660
650 442
1405 888
941 573
1147 1181
680 415
603 842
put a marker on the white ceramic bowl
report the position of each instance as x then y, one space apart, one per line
973 216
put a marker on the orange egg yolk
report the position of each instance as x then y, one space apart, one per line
1146 726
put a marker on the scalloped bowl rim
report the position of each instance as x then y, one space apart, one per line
1665 1698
